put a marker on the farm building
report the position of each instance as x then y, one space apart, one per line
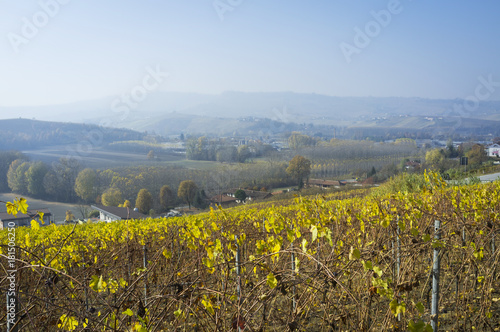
25 219
113 213
223 199
493 150
228 197
325 184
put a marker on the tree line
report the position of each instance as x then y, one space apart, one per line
224 150
68 180
448 161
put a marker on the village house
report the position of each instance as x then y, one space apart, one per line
253 195
324 184
223 200
412 165
21 219
493 150
113 213
228 197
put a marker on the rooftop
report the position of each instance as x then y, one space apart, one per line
4 216
120 212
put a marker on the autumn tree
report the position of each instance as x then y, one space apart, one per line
70 216
226 154
6 159
126 204
299 168
435 158
16 176
477 155
62 177
34 179
85 185
144 201
187 191
166 197
51 185
111 197
151 155
243 153
200 149
406 141
298 140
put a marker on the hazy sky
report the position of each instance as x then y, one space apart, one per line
59 51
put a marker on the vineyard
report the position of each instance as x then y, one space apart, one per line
347 261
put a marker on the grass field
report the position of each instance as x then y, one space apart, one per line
194 164
99 158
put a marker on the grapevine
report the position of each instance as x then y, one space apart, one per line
360 262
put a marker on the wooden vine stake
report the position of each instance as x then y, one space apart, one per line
86 291
294 301
398 257
265 237
435 279
145 265
238 282
493 253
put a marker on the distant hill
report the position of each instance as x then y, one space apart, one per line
28 134
170 113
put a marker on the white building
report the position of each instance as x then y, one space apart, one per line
113 213
493 150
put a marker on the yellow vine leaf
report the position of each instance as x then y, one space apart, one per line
67 323
22 205
272 282
34 225
11 209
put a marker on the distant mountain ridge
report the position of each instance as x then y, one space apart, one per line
170 113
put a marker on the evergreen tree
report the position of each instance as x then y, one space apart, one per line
200 200
166 197
240 195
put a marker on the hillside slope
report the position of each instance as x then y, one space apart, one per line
25 134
